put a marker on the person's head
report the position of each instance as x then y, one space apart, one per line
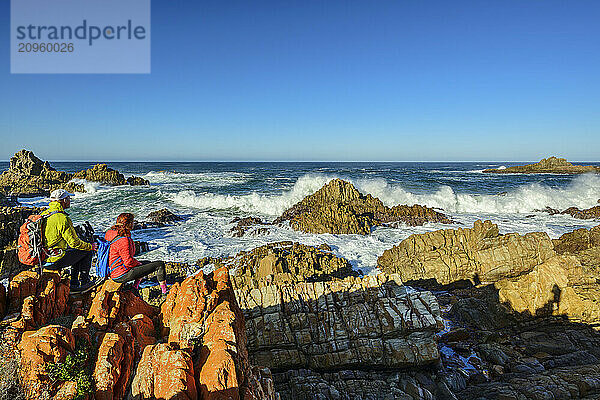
61 196
124 224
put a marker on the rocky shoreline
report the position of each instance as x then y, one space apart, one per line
460 313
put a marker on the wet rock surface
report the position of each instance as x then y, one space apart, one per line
551 165
157 219
339 208
248 225
590 213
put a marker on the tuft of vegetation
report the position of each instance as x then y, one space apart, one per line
77 367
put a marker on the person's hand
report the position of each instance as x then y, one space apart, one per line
95 246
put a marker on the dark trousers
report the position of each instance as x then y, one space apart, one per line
143 270
80 262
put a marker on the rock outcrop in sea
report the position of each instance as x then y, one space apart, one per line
28 176
550 165
339 208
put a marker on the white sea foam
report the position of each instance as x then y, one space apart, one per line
90 187
583 192
212 179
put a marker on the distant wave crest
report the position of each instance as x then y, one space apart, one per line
583 192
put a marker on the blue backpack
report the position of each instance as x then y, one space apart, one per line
102 266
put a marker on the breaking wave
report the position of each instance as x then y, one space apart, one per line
582 192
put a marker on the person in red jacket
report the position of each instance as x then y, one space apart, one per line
123 267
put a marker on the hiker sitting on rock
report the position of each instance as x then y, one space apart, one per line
63 244
123 267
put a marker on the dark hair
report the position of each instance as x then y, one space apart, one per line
124 224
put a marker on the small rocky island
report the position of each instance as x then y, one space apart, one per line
339 208
551 165
28 176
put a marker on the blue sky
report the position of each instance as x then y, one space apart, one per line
328 80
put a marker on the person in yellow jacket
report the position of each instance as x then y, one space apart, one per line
65 247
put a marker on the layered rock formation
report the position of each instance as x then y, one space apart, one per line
157 219
479 254
27 175
551 165
351 323
339 208
284 262
527 271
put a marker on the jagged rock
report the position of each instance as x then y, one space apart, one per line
365 323
137 181
164 372
114 364
223 353
40 299
111 305
163 216
590 213
479 254
284 262
27 175
243 225
339 208
578 241
551 165
49 344
101 173
108 176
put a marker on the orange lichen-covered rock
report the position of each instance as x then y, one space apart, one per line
219 376
114 364
185 309
49 299
111 306
164 373
50 344
142 329
20 287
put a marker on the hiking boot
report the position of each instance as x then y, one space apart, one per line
84 287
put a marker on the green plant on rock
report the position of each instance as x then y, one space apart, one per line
76 367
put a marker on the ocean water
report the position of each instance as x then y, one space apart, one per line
209 195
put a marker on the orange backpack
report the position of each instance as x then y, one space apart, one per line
31 248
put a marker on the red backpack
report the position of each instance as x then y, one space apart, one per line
31 248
